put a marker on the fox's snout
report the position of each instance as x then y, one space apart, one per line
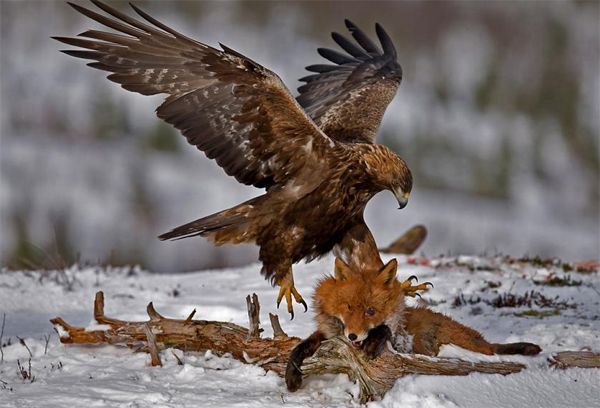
355 336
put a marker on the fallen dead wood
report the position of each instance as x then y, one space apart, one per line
335 355
581 359
408 242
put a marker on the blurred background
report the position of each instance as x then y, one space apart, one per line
498 117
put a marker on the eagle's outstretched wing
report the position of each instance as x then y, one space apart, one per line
347 100
233 109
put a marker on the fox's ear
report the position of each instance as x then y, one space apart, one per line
388 272
341 271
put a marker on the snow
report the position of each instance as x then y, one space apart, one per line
109 376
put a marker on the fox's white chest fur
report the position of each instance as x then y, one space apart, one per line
401 340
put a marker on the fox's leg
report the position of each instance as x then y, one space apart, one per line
424 343
410 290
287 290
375 341
431 330
293 373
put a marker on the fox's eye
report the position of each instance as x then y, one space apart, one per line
349 306
370 312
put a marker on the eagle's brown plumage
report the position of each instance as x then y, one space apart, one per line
318 179
348 100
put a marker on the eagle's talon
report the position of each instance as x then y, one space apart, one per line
287 291
412 290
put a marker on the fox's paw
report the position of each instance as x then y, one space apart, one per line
293 376
287 290
412 291
374 344
372 348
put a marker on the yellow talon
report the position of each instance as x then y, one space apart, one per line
288 290
410 290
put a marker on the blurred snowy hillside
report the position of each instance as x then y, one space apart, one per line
498 116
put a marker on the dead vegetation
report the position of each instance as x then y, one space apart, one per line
554 280
2 345
22 342
511 300
25 373
497 262
4 386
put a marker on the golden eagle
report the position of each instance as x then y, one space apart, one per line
315 156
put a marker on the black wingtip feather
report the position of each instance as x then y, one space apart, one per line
309 78
386 41
348 46
362 39
321 68
335 56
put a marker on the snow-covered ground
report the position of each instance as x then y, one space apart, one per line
559 318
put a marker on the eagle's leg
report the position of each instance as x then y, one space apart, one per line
287 290
410 290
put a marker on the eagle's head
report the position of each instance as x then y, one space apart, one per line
400 181
389 172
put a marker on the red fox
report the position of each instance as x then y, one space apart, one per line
369 309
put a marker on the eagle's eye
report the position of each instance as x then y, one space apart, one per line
370 312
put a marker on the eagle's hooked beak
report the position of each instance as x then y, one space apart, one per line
401 196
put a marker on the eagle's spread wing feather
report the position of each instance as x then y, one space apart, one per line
348 100
233 109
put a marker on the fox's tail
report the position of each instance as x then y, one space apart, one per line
228 226
526 349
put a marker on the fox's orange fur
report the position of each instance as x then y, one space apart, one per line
369 309
353 303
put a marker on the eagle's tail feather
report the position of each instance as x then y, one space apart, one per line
225 226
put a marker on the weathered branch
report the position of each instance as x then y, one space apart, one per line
408 242
335 355
581 359
253 315
277 330
152 346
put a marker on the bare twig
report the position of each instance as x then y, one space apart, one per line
47 338
4 385
22 341
179 361
25 373
191 316
152 346
2 334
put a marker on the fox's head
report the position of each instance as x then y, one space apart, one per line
360 300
